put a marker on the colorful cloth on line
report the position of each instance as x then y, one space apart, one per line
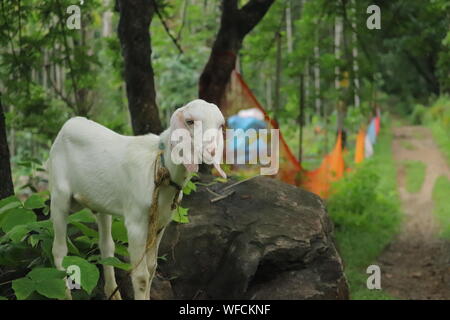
368 148
372 131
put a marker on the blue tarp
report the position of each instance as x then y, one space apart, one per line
371 132
236 122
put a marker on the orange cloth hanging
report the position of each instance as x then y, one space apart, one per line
239 96
332 169
359 151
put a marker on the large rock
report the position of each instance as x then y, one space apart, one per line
268 240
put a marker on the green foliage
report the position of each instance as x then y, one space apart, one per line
48 282
438 120
189 187
115 262
441 209
365 210
415 175
180 215
89 273
26 239
408 59
418 114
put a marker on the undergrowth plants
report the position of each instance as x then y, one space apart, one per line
441 208
26 245
415 175
365 209
26 237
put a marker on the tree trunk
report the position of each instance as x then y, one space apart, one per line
301 117
277 77
338 37
107 20
317 92
355 53
234 26
6 184
290 41
135 40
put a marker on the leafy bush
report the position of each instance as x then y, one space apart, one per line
415 175
26 239
438 120
418 114
365 209
442 205
440 111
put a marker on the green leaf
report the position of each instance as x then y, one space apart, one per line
52 288
72 248
18 233
34 202
93 258
221 180
122 250
86 230
23 287
113 261
16 255
9 203
118 231
39 274
49 282
8 200
39 225
88 272
26 164
34 241
180 215
17 216
189 187
3 298
84 215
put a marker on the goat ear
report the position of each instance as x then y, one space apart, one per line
219 153
177 121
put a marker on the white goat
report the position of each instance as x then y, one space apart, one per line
111 174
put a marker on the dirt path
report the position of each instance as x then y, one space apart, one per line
416 265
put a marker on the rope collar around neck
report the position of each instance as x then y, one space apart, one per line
172 183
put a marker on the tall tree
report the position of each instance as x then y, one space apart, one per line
135 40
235 24
6 184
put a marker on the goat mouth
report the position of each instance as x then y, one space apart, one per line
208 159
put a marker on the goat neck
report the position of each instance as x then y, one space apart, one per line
178 172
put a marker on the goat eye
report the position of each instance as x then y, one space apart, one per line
189 122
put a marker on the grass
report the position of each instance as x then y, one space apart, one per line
408 145
442 138
366 212
441 192
415 175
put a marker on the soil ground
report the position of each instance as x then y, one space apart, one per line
416 265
